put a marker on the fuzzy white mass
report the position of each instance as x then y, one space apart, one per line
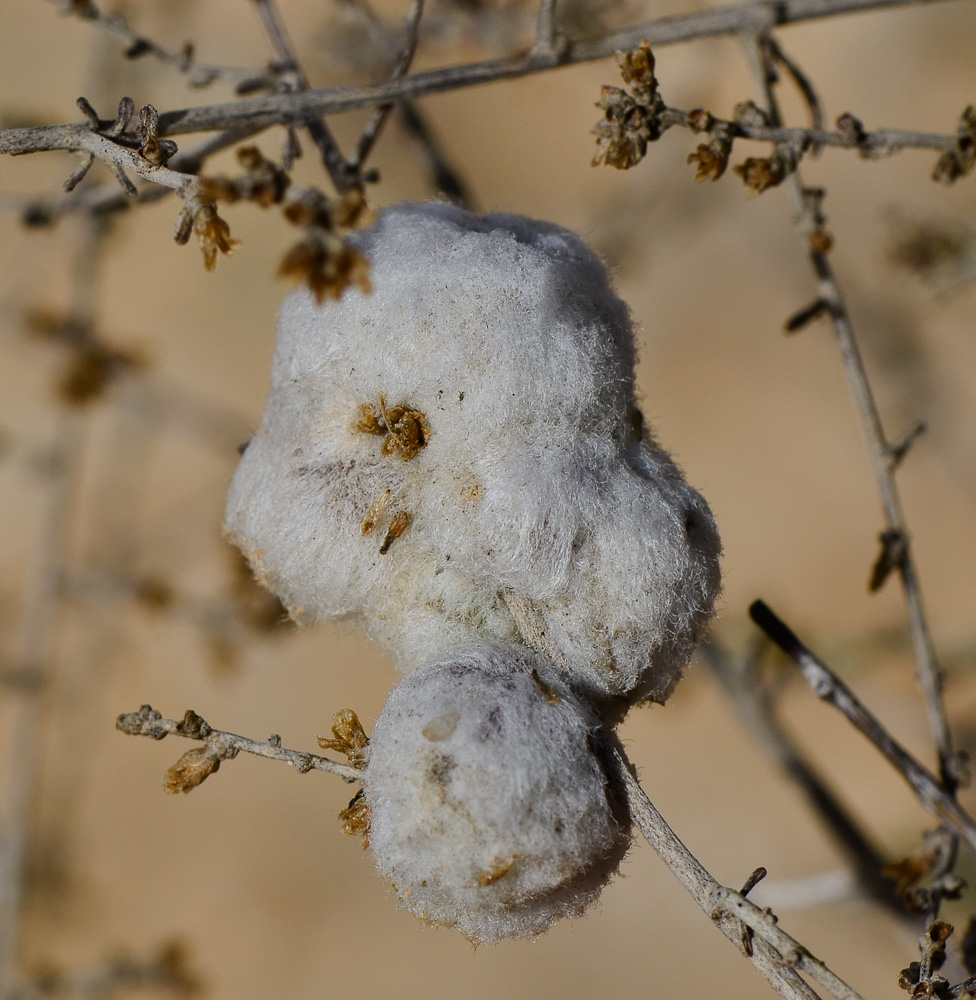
490 810
458 456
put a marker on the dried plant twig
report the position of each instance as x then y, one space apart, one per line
295 81
779 957
199 74
884 458
189 771
374 126
754 704
831 689
296 108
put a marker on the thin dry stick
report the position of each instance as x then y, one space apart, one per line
199 74
283 109
786 955
752 701
224 745
371 132
41 624
884 457
296 82
104 199
831 689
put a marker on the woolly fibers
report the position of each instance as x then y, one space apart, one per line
489 810
522 502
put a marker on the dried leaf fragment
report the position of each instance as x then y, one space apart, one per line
191 770
265 183
712 158
213 234
375 511
498 871
355 818
631 120
399 524
349 738
759 174
327 264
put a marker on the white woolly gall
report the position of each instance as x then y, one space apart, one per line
490 809
458 456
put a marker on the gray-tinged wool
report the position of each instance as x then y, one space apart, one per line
540 510
489 810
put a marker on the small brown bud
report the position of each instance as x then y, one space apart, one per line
699 120
821 241
192 769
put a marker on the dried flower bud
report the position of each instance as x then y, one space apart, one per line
213 234
759 174
490 809
713 158
192 769
960 158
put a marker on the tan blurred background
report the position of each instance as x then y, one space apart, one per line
251 872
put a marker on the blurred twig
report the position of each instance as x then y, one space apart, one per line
752 699
884 457
41 622
830 688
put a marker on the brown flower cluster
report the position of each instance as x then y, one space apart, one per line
960 158
91 365
322 258
632 118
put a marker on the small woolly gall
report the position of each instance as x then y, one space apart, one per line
491 803
458 457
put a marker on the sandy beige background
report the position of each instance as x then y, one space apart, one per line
251 871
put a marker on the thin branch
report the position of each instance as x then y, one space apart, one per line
802 81
283 109
751 699
104 199
223 745
378 120
445 177
549 45
137 46
42 623
779 957
884 460
295 81
831 689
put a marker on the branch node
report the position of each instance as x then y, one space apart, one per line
806 315
94 122
752 881
898 451
894 552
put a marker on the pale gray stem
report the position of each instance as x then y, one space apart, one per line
378 119
148 722
779 957
41 626
884 459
